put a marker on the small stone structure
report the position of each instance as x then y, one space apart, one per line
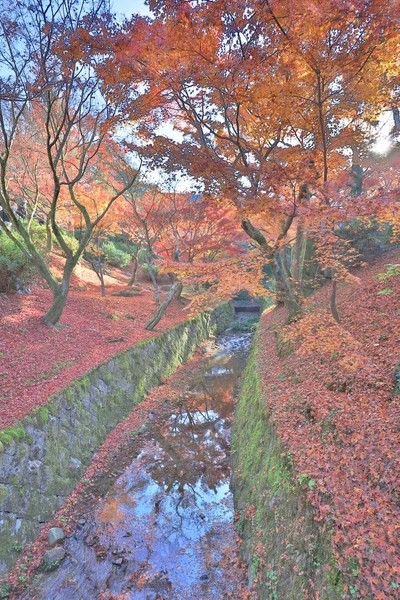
44 455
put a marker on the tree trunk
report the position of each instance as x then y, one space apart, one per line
285 293
304 253
101 277
174 293
287 272
154 280
49 236
334 309
59 299
296 267
135 267
396 117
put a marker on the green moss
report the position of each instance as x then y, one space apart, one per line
42 415
3 493
273 508
84 384
22 451
107 377
69 396
12 434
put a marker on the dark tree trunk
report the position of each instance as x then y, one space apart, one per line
153 279
49 236
59 300
296 262
135 267
101 277
283 284
334 309
396 117
174 293
285 293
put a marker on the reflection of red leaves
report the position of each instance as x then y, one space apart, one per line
116 440
341 430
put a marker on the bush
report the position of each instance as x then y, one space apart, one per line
38 234
246 325
115 257
367 236
14 264
70 240
122 245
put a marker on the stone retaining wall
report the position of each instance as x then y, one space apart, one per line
43 456
288 553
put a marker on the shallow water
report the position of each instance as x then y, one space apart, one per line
165 528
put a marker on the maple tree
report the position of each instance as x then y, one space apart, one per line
53 97
143 220
272 105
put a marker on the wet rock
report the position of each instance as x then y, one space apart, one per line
55 535
89 542
202 515
117 561
204 577
53 557
34 466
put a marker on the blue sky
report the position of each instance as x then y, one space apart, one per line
129 7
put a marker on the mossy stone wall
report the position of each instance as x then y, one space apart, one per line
287 551
43 456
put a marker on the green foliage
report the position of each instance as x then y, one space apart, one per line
115 257
70 240
367 236
249 324
38 234
121 244
155 268
7 436
391 271
14 264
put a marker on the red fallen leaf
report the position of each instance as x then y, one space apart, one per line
37 361
346 440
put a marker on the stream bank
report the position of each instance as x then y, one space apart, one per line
158 522
43 456
287 551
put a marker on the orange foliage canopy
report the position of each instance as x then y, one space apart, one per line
272 106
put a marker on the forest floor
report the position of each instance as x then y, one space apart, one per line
37 360
331 390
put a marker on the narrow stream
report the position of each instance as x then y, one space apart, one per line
165 528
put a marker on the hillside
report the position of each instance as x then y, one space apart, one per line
332 393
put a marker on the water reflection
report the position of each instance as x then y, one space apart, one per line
165 529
